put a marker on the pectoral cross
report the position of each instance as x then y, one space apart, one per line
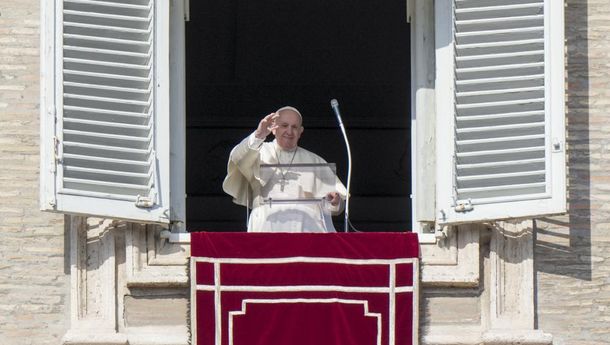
283 182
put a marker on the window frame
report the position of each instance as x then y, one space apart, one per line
168 129
555 201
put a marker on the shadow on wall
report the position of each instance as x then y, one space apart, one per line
563 244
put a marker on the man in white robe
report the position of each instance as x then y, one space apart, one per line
251 186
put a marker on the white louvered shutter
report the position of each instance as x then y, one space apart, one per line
500 109
105 133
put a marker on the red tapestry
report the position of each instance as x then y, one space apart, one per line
304 289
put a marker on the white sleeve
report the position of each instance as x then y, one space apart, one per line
254 143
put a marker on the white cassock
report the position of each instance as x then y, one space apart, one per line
250 186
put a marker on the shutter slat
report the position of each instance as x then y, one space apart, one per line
108 64
106 136
509 128
500 167
108 18
101 195
120 118
493 133
106 152
502 72
497 7
99 139
108 113
498 146
501 175
142 46
479 93
500 67
76 169
108 175
111 53
493 56
502 191
124 101
485 49
492 59
499 164
119 5
498 23
490 97
100 31
479 184
142 80
109 124
104 162
512 43
512 32
111 80
500 103
105 103
492 116
497 121
107 91
107 28
105 187
496 83
500 109
488 36
104 71
121 18
106 55
493 142
99 127
109 148
486 3
507 152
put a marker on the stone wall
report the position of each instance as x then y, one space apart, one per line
573 251
33 281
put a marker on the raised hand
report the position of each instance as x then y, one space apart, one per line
266 126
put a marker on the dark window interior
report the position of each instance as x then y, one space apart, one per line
245 59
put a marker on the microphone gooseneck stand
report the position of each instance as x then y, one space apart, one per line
335 105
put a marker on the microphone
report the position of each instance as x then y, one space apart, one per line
335 105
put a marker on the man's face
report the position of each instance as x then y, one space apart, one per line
289 129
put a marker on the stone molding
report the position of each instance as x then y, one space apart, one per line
511 288
154 261
107 258
516 337
454 260
93 309
508 290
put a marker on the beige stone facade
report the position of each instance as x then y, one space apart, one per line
91 281
573 251
34 290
